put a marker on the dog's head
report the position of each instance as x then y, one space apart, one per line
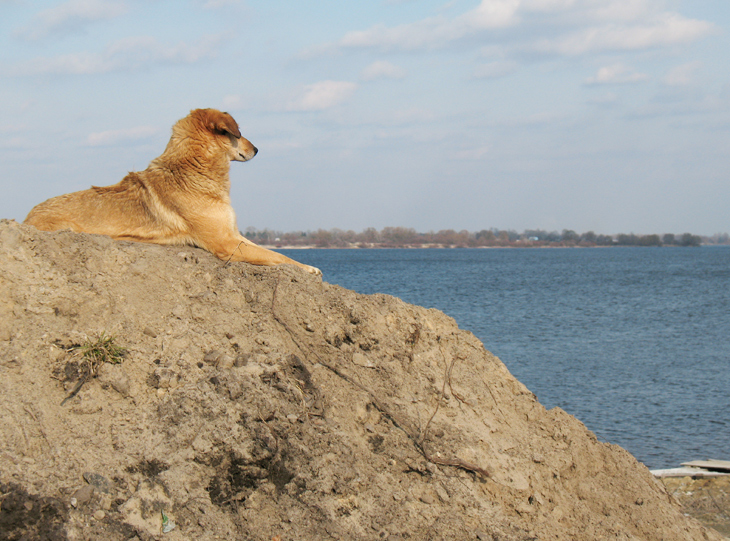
222 125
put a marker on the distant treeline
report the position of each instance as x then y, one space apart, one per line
403 237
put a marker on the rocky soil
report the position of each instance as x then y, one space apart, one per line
706 499
262 403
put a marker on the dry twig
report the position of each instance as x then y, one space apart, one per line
395 419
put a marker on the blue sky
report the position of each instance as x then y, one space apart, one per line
603 115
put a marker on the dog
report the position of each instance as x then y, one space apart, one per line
182 198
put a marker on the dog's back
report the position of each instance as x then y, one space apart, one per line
129 210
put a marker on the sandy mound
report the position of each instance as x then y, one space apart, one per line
261 403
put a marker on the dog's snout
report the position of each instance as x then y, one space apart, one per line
255 150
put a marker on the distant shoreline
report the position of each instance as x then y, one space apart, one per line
401 237
434 247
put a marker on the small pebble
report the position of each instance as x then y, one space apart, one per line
212 357
428 498
82 495
99 515
225 362
99 482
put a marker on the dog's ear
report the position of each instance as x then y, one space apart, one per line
219 122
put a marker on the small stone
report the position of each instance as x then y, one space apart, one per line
99 515
82 495
212 357
28 506
442 494
225 362
229 335
163 378
242 359
428 498
361 360
150 332
99 482
201 445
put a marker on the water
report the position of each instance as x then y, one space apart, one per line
635 342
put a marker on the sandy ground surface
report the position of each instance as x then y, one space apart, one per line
263 403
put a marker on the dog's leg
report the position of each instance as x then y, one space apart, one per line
242 249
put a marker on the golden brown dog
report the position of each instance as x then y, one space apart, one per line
183 197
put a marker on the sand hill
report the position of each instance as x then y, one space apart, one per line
262 403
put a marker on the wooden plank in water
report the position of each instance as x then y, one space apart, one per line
687 472
712 465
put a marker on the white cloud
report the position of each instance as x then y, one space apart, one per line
616 74
683 75
115 137
593 10
218 4
491 14
607 100
565 27
123 55
537 119
421 35
401 117
234 101
322 95
433 32
493 70
382 70
70 17
473 153
17 143
665 30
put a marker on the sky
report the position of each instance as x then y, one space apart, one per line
610 116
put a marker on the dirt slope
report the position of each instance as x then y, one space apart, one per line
261 403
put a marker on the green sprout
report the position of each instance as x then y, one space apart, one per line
95 353
101 350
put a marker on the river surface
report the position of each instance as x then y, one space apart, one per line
635 342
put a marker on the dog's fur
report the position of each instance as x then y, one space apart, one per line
183 197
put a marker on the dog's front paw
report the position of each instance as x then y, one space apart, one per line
314 270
